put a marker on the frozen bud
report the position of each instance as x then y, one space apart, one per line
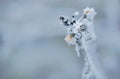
62 18
76 14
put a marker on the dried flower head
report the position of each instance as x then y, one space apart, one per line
69 37
89 12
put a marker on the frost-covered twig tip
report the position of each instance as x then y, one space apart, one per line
79 33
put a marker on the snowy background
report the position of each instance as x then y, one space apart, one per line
32 42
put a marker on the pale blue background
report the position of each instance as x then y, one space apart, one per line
32 42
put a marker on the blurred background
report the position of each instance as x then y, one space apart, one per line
32 42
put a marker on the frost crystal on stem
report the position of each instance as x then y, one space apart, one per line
79 32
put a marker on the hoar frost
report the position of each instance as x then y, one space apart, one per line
79 33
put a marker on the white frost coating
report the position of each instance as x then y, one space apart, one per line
79 33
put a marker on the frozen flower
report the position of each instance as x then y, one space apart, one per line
69 37
89 12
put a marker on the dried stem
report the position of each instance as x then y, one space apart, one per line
87 71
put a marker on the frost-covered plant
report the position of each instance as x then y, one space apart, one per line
79 33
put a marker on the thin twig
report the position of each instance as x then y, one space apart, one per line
79 33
